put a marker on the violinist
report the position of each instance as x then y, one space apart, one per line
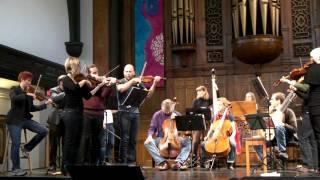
167 112
307 141
311 85
93 114
55 123
19 117
128 115
72 115
224 114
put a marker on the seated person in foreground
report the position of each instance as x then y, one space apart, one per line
167 113
221 135
285 126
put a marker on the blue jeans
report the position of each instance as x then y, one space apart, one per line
107 143
153 150
129 123
280 137
15 134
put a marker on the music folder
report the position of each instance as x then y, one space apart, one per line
135 97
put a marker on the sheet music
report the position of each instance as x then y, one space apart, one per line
108 117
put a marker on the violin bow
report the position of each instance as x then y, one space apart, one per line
143 69
112 70
35 90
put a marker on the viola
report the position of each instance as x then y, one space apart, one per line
148 79
169 145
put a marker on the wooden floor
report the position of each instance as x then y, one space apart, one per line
195 173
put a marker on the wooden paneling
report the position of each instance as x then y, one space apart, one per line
101 34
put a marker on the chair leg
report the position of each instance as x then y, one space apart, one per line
212 161
29 158
6 154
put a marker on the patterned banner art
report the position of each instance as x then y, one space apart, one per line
149 44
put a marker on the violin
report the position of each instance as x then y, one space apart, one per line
170 145
39 96
79 77
148 79
296 73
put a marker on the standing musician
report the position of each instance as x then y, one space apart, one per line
129 115
166 114
93 115
307 141
202 101
312 81
221 135
19 117
55 124
76 86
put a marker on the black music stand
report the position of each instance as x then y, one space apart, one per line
197 111
258 121
135 97
190 123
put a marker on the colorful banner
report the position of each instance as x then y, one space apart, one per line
149 44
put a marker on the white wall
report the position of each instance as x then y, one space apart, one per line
38 27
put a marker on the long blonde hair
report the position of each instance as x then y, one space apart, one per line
72 64
205 94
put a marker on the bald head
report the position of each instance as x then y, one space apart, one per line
128 71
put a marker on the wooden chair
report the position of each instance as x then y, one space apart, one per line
253 141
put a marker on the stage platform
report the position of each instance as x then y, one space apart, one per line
153 174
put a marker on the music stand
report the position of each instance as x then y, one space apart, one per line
198 111
261 121
258 121
135 97
190 123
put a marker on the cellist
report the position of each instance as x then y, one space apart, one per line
166 113
223 112
220 139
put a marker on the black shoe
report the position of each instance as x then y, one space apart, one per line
25 152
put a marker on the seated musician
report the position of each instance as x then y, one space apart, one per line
167 112
222 114
285 126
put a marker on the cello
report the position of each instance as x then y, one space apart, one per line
170 145
217 139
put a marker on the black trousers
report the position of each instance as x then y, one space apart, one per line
55 137
307 141
315 122
91 135
72 120
129 123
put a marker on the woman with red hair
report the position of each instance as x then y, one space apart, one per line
19 117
